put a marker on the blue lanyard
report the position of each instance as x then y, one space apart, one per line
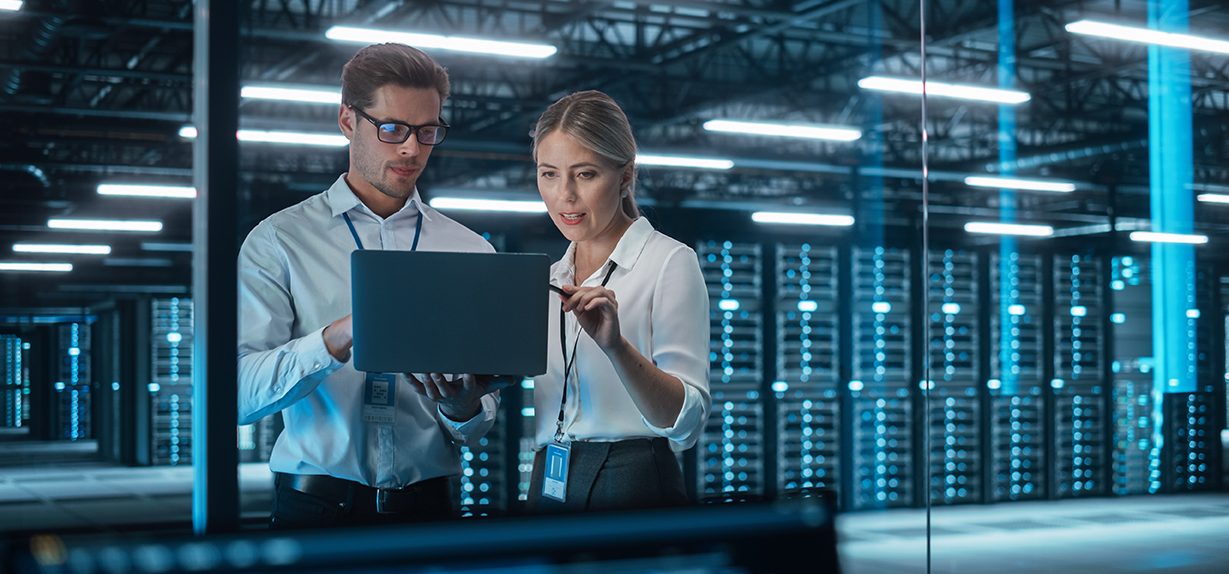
359 242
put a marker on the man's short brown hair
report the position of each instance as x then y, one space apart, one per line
380 65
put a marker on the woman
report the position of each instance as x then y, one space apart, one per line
627 380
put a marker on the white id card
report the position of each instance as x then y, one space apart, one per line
555 473
380 398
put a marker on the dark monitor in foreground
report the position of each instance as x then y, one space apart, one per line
793 536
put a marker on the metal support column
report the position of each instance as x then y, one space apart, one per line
215 457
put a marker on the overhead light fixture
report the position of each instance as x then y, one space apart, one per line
1022 184
137 262
785 130
1213 198
11 5
1208 187
1142 35
500 205
684 161
140 190
105 224
944 90
793 218
290 94
279 137
61 248
166 246
436 41
1009 229
35 267
1158 237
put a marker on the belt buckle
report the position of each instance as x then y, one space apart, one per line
382 506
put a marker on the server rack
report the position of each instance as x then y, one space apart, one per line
731 460
1191 429
883 443
483 486
805 389
170 386
72 383
956 438
1015 397
526 440
1079 418
15 378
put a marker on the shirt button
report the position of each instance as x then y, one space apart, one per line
316 366
277 388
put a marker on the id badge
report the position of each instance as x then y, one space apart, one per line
380 398
555 484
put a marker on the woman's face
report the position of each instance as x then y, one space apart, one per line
581 189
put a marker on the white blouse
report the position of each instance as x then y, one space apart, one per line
663 312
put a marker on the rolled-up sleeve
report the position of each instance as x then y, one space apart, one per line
274 370
680 341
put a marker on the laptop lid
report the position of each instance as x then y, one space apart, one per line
443 312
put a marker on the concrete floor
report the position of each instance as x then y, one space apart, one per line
100 497
1174 534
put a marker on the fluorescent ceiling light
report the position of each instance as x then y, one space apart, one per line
280 137
136 190
944 90
500 205
37 267
790 218
1158 237
1208 187
11 5
294 138
1148 36
451 43
105 224
288 94
805 131
1009 229
137 262
161 246
1024 184
684 161
61 248
1213 198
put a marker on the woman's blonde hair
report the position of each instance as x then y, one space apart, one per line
599 124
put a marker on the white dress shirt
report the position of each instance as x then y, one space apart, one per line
663 312
294 280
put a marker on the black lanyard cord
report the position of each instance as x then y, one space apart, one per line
563 348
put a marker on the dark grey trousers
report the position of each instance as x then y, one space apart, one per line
633 473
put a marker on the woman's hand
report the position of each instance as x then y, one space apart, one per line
597 311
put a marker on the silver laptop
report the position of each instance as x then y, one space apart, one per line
439 312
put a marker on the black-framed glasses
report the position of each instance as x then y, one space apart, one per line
394 132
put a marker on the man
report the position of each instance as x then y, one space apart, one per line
336 463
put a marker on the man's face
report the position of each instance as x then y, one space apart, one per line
392 169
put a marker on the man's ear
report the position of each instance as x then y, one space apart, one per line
345 121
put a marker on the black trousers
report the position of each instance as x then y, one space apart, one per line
342 503
633 473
